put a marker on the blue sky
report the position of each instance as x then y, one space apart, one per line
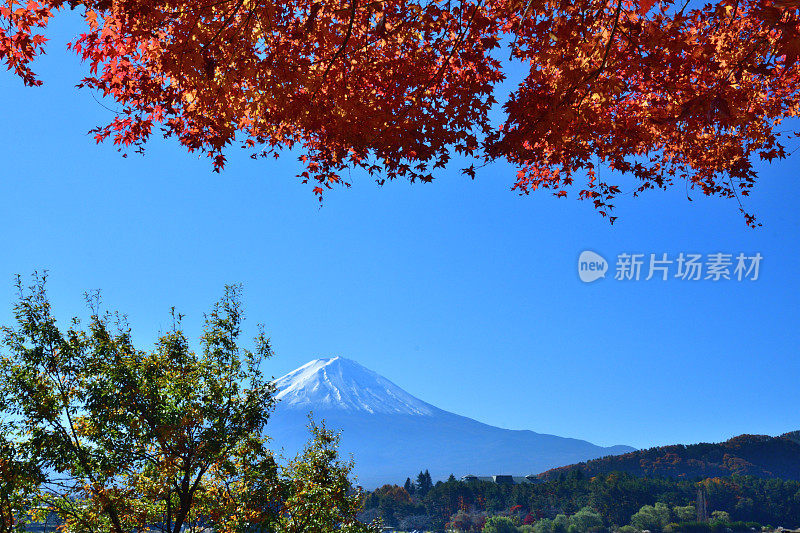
461 292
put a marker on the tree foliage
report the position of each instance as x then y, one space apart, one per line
19 479
572 504
664 92
500 524
113 438
651 517
685 513
424 482
319 497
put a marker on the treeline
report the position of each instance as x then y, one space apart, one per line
614 497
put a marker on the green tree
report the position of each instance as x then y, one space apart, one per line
500 524
318 494
393 501
545 525
561 523
586 519
134 439
409 486
651 518
20 477
424 482
686 513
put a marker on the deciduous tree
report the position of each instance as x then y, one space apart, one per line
318 494
651 517
113 438
666 93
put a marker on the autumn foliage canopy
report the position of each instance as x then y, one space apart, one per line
662 93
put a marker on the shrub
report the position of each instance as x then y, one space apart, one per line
651 518
686 513
500 524
587 519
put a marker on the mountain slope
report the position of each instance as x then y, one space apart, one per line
755 455
393 435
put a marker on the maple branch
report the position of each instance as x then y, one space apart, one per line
340 50
101 104
190 33
595 73
395 29
264 28
225 21
456 45
735 12
610 41
739 63
521 20
196 9
439 74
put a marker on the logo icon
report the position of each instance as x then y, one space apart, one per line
591 266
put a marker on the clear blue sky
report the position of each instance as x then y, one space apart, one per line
461 292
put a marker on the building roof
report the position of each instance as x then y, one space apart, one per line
503 478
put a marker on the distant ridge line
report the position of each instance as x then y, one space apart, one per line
761 456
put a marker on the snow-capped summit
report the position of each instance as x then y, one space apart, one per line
393 435
342 384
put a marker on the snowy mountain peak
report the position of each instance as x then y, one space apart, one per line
342 384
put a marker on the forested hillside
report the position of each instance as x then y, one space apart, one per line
752 455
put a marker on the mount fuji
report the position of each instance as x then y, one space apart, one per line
393 435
